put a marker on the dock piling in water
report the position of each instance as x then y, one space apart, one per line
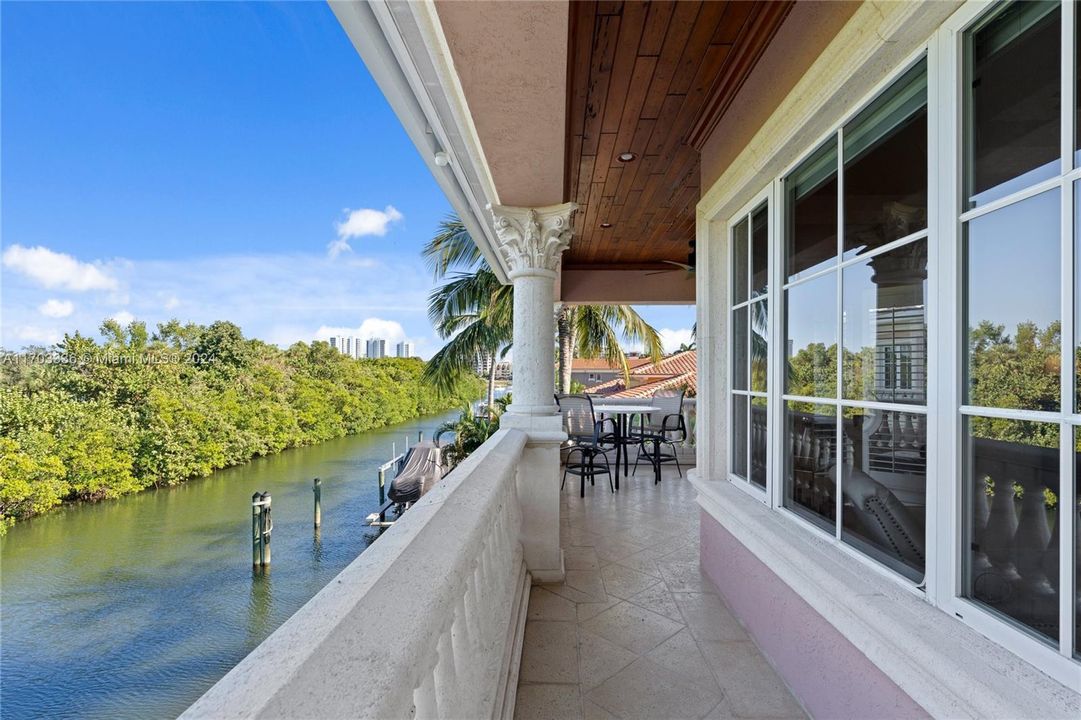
261 525
317 490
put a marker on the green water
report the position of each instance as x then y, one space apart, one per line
133 608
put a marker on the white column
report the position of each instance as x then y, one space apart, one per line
532 240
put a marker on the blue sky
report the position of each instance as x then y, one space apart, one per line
208 161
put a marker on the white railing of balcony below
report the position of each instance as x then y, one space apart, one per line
426 623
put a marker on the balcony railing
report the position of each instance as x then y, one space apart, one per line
426 623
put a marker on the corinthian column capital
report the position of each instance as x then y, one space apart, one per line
531 240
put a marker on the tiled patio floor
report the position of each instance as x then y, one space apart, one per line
636 630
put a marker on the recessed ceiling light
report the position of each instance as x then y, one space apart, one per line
606 225
627 157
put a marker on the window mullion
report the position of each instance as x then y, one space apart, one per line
838 392
1067 486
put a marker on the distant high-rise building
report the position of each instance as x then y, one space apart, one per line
404 349
335 342
347 346
483 362
377 348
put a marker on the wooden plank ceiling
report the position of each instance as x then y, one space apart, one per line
652 79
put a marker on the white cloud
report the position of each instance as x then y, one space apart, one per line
123 317
359 223
56 308
672 339
171 302
35 335
57 270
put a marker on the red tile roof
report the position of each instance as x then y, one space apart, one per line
586 364
675 371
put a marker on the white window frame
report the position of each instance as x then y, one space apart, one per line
943 582
1057 661
763 197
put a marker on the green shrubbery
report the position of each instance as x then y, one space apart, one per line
90 421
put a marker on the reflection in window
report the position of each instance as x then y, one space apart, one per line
885 184
739 436
885 327
759 252
759 321
759 444
884 486
811 332
1011 509
810 462
811 240
739 349
1012 109
739 263
1012 266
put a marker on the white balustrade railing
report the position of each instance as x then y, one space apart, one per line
424 624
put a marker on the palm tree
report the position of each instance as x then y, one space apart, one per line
591 331
475 312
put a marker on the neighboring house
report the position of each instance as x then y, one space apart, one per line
678 371
598 370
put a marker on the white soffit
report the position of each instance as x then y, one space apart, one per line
403 46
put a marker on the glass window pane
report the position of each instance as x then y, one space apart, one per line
739 262
811 242
759 252
1012 109
810 462
1077 295
759 444
811 338
739 348
885 182
759 321
1011 506
739 436
1077 544
884 487
885 327
1012 265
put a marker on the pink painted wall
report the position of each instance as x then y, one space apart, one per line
828 674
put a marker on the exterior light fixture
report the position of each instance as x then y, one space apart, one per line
627 157
442 159
606 225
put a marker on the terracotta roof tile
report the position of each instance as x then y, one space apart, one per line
675 371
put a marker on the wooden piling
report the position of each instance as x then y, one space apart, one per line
256 531
266 525
382 493
317 490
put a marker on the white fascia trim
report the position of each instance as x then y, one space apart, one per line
951 670
406 52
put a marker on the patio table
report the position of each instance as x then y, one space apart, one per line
622 414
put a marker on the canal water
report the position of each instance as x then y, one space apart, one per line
132 608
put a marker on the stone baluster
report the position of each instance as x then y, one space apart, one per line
445 674
424 697
998 533
1032 534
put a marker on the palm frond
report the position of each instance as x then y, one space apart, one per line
452 247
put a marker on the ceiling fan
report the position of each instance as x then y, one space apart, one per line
689 266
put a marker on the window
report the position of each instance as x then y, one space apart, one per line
1014 416
750 345
992 214
855 330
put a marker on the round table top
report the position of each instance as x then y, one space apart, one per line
623 409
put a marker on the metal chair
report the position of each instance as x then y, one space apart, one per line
588 439
666 426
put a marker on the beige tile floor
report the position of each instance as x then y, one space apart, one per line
636 630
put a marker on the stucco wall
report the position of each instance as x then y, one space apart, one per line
826 672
